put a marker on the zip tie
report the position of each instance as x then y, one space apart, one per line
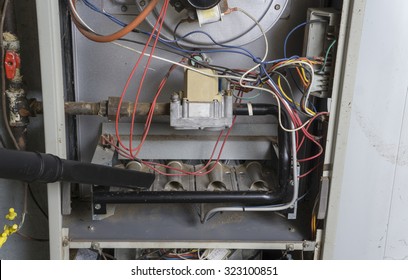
250 109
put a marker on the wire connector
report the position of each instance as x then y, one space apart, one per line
8 230
11 214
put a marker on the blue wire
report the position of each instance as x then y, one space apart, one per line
281 59
288 36
245 52
296 28
212 39
96 9
166 42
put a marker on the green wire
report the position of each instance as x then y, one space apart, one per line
246 98
327 55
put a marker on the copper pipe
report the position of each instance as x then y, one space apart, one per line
119 34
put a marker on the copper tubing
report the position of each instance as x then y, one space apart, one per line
119 34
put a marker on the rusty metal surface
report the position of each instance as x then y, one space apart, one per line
82 108
104 108
142 109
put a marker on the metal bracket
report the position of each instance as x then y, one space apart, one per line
309 246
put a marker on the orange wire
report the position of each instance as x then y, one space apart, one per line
305 84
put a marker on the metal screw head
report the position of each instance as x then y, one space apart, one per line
91 228
95 246
65 242
177 4
97 206
175 97
142 3
124 8
277 7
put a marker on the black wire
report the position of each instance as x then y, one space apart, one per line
302 91
32 238
157 47
299 87
175 31
291 95
36 201
220 69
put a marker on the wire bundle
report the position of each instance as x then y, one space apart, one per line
259 78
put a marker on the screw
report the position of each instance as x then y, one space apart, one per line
91 228
97 207
277 7
177 4
95 246
175 97
65 242
142 3
124 8
291 229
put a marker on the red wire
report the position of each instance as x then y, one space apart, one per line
117 148
161 19
198 172
310 171
132 74
152 107
298 123
308 126
127 86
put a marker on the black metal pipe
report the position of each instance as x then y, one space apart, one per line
46 168
248 197
284 139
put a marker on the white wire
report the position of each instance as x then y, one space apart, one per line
262 31
241 79
270 207
81 21
264 89
203 256
158 57
279 117
297 62
171 61
183 65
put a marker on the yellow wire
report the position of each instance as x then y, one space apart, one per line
290 99
304 75
301 77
